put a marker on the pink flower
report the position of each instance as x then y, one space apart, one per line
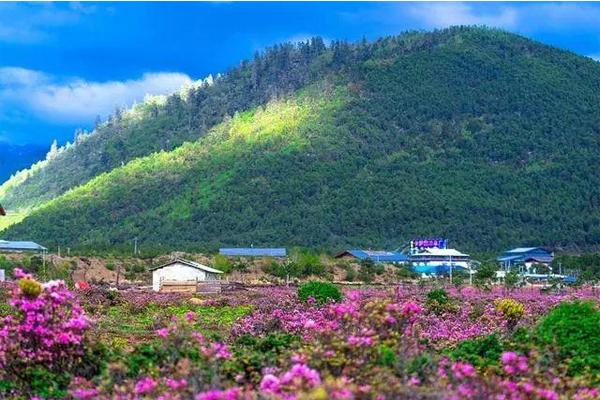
342 394
410 308
509 357
229 394
176 384
190 316
462 370
301 373
512 363
84 393
163 332
547 394
360 341
145 385
270 384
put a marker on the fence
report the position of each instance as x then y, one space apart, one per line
204 287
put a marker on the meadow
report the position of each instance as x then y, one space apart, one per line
313 342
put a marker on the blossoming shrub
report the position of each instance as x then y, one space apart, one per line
371 344
511 309
321 292
42 338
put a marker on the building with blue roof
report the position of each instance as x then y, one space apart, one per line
377 256
253 252
525 257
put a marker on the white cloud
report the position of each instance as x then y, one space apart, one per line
440 15
17 76
595 57
34 22
78 100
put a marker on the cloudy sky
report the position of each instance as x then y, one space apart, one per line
63 64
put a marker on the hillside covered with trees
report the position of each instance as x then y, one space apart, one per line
478 135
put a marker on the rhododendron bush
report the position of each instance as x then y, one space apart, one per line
44 331
266 343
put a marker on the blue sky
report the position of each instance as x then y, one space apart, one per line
61 64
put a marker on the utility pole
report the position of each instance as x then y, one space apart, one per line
560 268
470 274
135 245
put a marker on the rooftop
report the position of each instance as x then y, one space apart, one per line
434 251
20 246
375 255
253 252
523 249
192 264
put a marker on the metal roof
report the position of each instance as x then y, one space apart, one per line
522 254
376 255
20 246
523 249
188 263
253 252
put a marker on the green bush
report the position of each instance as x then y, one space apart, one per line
405 273
574 329
480 352
322 292
439 302
350 273
253 353
438 295
222 263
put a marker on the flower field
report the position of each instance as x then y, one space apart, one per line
268 343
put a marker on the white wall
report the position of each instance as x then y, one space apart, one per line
176 273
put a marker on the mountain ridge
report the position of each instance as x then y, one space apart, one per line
460 133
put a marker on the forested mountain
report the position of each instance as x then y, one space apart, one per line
478 135
14 158
164 123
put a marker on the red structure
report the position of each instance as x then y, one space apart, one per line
2 212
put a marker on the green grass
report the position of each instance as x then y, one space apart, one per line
11 218
119 321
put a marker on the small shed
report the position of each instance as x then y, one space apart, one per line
183 273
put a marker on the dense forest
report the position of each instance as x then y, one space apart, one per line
478 135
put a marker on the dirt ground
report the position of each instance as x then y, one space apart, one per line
108 269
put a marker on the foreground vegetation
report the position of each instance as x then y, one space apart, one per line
407 342
474 134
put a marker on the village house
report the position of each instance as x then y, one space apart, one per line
182 275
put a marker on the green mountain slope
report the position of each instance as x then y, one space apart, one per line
481 136
164 123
